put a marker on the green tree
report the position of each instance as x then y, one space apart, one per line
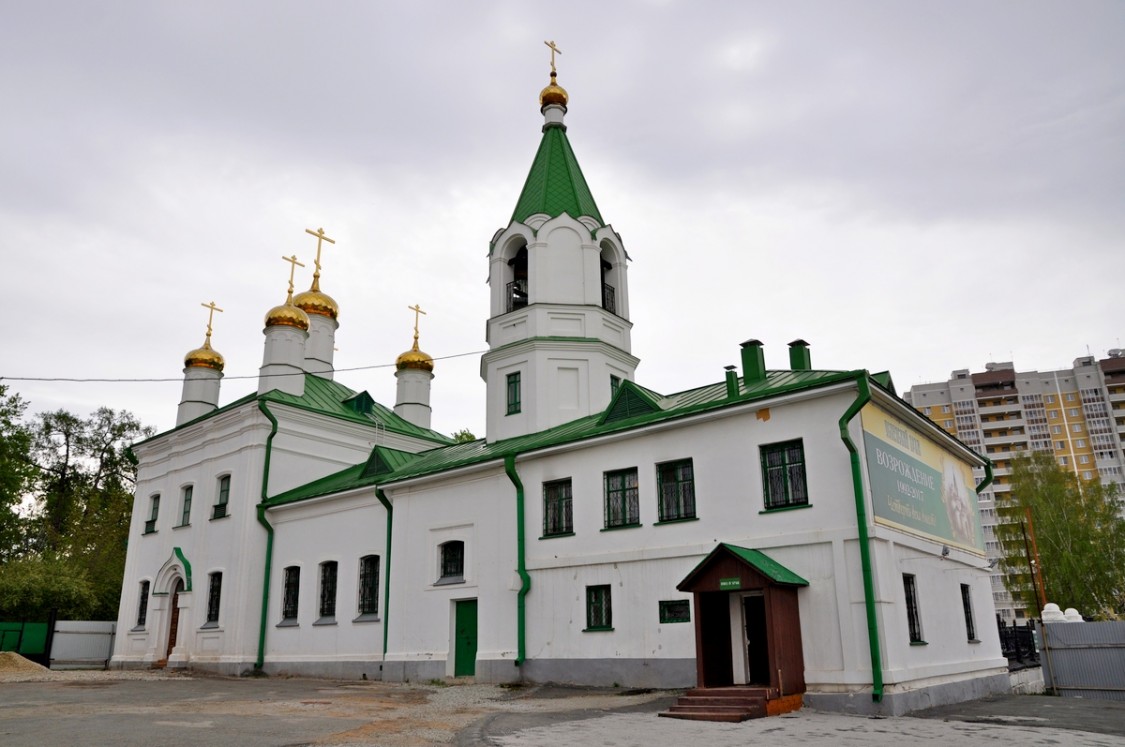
31 587
463 436
1078 529
16 472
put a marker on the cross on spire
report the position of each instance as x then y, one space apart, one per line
554 50
417 311
320 238
210 317
293 265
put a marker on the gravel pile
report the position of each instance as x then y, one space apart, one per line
15 668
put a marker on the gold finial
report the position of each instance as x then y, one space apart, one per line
320 238
417 312
210 317
554 50
293 265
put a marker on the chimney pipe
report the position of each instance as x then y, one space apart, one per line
732 381
753 362
799 357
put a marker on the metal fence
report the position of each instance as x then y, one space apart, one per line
62 644
1085 660
1017 644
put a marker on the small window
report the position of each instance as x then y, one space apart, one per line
452 562
142 607
1053 414
675 611
219 510
1056 429
599 610
558 511
676 486
153 513
513 393
945 408
622 503
369 585
214 595
1050 399
291 592
614 385
783 475
1070 396
1077 428
185 506
967 606
913 619
328 589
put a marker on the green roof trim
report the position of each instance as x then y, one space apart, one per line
383 461
555 184
765 565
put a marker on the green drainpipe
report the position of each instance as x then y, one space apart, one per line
269 536
521 563
386 567
864 540
987 476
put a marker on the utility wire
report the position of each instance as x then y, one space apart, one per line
180 378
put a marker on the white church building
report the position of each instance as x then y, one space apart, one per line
800 530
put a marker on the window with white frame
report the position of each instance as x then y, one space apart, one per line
214 597
222 498
369 585
142 606
153 513
451 556
913 618
291 593
185 505
328 571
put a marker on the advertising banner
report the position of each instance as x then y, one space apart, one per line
917 486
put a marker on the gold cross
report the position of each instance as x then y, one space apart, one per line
293 265
320 238
554 49
210 316
417 310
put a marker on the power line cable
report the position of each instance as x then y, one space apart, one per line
77 380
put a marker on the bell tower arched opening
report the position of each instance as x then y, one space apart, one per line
515 289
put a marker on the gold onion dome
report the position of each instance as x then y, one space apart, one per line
553 94
287 315
414 359
313 301
204 357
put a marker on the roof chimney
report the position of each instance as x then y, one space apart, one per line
753 362
732 381
799 358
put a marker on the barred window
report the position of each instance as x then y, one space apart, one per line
599 610
675 611
328 588
142 607
214 595
291 592
967 606
622 503
452 562
783 475
558 516
913 619
676 486
369 585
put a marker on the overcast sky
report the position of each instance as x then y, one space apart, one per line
917 187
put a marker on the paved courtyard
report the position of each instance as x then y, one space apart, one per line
126 709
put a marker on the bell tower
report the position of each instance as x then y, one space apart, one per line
559 330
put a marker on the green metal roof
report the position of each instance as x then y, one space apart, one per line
333 399
555 184
382 462
766 565
683 404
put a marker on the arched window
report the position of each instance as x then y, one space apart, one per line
214 597
142 607
516 290
609 281
291 593
328 589
452 562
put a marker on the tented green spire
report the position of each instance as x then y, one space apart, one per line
555 184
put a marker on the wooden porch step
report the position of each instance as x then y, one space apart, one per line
723 716
720 704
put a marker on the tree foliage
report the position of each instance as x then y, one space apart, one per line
1078 529
463 436
16 470
80 478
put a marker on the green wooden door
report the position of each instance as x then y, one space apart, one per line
465 638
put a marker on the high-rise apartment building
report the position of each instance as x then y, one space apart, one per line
1077 414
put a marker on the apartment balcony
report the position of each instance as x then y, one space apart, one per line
1003 409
